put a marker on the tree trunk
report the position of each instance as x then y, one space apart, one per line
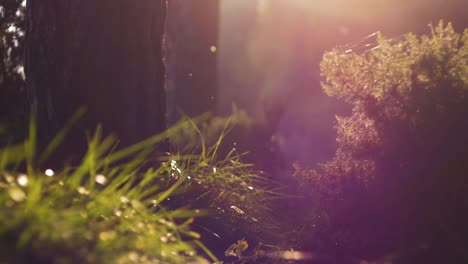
105 55
192 61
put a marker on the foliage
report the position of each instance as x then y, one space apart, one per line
117 206
237 248
209 131
401 163
246 214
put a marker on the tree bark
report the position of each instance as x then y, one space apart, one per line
193 52
106 55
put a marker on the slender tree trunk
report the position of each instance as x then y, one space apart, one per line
192 61
105 55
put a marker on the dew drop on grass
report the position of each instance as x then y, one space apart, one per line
124 199
101 179
237 210
22 180
82 190
216 235
16 194
49 172
165 222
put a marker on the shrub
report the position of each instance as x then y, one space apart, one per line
398 180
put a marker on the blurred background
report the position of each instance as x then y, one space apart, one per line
263 56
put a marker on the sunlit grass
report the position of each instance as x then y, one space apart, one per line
120 206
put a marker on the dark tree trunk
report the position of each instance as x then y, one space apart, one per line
105 55
13 112
192 61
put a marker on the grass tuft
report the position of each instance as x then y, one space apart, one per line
119 206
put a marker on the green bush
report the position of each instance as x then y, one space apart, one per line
398 180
